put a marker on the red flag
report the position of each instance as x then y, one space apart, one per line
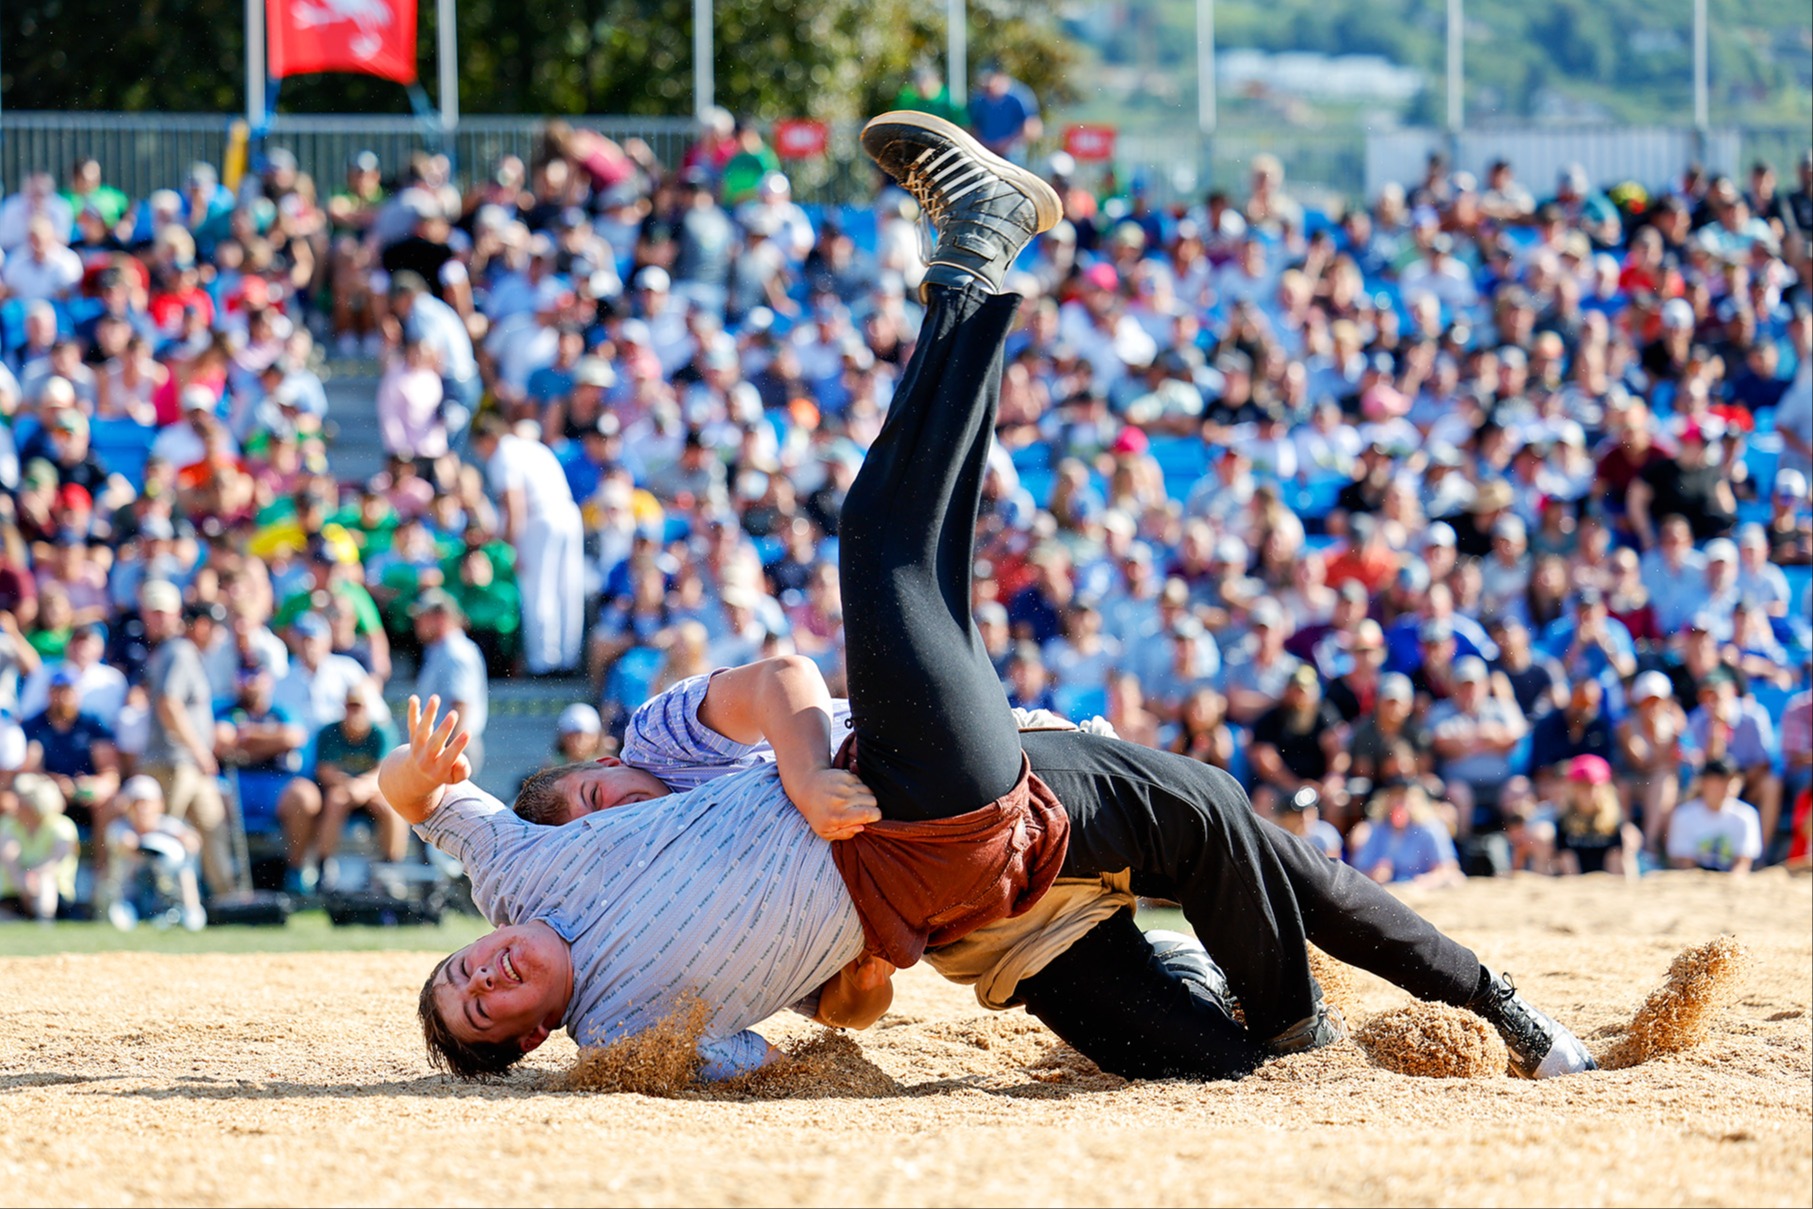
372 37
800 138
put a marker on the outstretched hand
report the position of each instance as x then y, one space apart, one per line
836 804
434 758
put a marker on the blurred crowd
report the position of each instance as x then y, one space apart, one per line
1468 528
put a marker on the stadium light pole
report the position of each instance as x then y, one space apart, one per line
1457 100
447 40
956 49
254 64
704 86
1206 115
1702 104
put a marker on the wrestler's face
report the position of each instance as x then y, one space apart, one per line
512 985
606 783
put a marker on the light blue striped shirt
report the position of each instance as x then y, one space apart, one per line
665 737
723 891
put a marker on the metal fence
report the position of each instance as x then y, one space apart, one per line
142 152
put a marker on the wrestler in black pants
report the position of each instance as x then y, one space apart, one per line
935 739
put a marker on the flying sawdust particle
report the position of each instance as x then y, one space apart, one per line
1678 1014
662 1060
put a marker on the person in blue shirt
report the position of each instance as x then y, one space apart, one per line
1593 645
75 750
1003 113
1405 843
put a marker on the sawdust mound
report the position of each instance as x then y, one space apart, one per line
659 1061
824 1066
1678 1014
1434 1041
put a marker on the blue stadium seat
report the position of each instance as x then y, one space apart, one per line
1239 767
1762 454
1036 456
1081 704
1038 484
123 447
1798 580
12 324
1314 498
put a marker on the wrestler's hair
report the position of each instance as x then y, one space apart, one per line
539 800
465 1059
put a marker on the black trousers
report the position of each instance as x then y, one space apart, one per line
936 737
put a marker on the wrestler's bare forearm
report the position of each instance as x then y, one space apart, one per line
785 702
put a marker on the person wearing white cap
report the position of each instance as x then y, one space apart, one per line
185 443
150 860
542 521
1760 581
1474 733
1650 746
1719 593
1789 538
579 735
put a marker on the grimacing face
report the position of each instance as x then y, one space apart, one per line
606 783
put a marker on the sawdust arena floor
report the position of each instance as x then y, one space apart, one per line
299 1079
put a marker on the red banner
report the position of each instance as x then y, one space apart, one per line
371 37
800 138
1089 142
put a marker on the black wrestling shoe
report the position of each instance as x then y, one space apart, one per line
1186 960
984 209
1326 1027
1540 1048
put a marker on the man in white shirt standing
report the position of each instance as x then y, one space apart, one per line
542 522
453 668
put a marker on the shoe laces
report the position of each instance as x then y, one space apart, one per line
939 177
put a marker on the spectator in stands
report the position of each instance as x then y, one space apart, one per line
1473 735
453 668
1592 834
1405 843
1299 743
179 752
261 744
1654 745
313 692
1301 815
1715 830
542 522
1003 113
1736 730
579 735
74 750
314 812
38 850
1580 728
151 858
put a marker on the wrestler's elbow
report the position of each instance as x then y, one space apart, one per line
842 1005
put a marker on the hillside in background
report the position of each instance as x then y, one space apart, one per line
1542 60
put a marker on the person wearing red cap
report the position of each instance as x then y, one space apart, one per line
1592 834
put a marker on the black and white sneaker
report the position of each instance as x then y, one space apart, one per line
1325 1027
1540 1048
1184 958
984 209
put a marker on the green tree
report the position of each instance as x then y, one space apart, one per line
775 58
